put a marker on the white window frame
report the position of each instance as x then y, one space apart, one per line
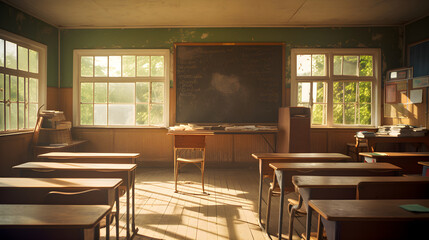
41 76
330 78
78 53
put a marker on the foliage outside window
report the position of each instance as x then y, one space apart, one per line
22 82
339 85
122 87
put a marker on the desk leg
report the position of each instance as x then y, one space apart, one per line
108 226
134 201
117 212
292 216
260 198
279 175
308 226
128 205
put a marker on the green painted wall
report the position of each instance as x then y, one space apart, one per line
389 39
17 22
417 31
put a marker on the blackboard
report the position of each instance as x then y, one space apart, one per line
419 58
228 83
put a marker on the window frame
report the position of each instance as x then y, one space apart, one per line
77 53
330 78
41 75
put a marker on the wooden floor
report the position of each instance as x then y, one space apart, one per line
227 211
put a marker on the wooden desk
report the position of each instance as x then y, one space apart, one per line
285 171
87 170
425 171
73 146
90 157
372 141
266 172
371 219
51 222
337 187
408 161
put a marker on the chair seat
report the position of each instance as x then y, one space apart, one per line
190 160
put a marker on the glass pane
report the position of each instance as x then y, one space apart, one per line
121 93
114 66
86 66
304 92
33 59
365 66
100 93
142 114
100 114
143 64
1 53
32 115
1 116
318 65
156 114
319 92
318 114
365 114
129 66
350 113
11 55
13 116
142 92
338 92
121 114
22 58
21 89
365 92
100 66
350 92
26 89
2 89
13 88
21 116
338 113
6 87
34 90
157 66
86 93
303 65
157 92
350 65
338 65
7 117
86 114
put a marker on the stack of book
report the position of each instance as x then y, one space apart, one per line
401 130
365 134
55 119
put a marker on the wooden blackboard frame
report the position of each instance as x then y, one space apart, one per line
281 80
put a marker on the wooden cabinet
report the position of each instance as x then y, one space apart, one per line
294 130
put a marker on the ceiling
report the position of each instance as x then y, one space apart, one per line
222 13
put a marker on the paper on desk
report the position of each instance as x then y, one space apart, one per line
415 208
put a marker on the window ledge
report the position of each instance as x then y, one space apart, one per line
6 134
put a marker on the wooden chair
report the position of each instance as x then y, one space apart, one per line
192 142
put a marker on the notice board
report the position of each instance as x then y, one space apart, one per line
228 82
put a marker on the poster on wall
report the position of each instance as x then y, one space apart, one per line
391 93
420 82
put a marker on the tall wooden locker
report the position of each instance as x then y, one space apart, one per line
294 130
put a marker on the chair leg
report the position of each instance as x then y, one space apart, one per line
202 175
267 220
176 170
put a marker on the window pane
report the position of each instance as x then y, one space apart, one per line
86 66
6 87
2 89
21 89
142 114
156 114
318 115
13 88
86 114
100 114
319 92
350 65
350 113
100 93
22 58
338 92
143 64
157 66
365 66
11 55
34 90
7 116
142 92
157 92
365 92
32 115
304 92
100 66
21 116
114 66
86 93
33 61
121 93
13 116
1 53
129 66
121 114
1 116
318 65
303 66
365 114
338 65
338 113
350 91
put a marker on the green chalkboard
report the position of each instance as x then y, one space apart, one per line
228 83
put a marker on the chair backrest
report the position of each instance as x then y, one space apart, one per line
393 190
87 197
189 141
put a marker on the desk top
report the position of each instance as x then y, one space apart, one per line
53 216
72 144
60 182
71 155
347 181
367 210
76 166
394 154
215 132
424 163
333 166
299 156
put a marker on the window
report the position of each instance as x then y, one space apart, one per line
22 82
341 86
116 88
